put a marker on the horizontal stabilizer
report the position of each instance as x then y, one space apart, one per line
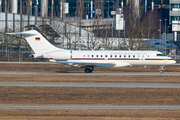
21 33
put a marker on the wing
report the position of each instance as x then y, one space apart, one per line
88 64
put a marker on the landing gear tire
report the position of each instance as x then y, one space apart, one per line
88 70
161 71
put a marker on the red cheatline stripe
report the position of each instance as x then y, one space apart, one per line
122 59
159 59
50 58
170 59
156 59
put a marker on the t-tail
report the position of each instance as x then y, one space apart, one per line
37 42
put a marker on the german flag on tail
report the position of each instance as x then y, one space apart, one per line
37 39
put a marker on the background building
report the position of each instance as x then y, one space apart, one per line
174 18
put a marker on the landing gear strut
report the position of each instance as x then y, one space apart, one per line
88 70
161 69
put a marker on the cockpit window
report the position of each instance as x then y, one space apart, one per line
161 55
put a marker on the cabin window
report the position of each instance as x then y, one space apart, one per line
106 56
111 55
96 55
92 55
88 55
83 55
142 56
133 56
138 56
120 56
101 55
124 56
147 56
115 56
129 56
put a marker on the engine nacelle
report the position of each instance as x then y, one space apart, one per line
60 55
37 56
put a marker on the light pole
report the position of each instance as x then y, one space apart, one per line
36 6
165 35
168 29
160 35
0 6
145 6
86 6
21 15
108 8
86 9
113 19
113 8
30 7
91 8
52 9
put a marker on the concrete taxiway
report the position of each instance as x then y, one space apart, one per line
91 85
78 73
89 107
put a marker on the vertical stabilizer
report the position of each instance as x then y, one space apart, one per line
37 42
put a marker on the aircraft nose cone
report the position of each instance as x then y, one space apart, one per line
174 62
171 62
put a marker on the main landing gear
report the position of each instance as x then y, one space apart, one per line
161 69
89 70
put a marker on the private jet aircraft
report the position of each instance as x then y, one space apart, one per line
89 60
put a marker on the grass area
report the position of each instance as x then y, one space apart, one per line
65 68
67 114
88 96
90 78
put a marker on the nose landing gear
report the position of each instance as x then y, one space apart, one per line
161 69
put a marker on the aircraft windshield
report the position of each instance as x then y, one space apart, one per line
161 55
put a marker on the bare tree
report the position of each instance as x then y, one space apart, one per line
80 10
152 18
136 28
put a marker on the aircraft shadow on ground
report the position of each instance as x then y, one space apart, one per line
66 72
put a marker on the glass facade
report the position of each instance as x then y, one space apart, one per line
106 7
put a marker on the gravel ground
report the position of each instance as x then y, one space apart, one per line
89 114
89 96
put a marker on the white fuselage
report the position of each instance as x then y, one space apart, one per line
118 58
43 49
